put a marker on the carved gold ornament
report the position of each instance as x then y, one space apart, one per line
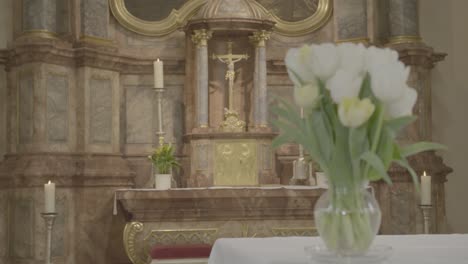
312 23
178 18
231 122
175 20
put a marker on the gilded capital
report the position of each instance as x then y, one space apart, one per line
258 38
201 36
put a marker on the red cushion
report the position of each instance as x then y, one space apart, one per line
181 251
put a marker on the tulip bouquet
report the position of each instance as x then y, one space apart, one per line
355 101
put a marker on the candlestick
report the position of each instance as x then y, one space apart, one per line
49 197
160 133
425 189
49 219
158 74
426 211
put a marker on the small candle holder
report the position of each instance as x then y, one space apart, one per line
49 219
426 211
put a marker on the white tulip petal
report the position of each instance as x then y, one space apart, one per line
344 84
388 81
324 61
353 112
403 106
352 57
297 65
306 96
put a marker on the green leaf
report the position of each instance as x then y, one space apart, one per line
385 147
375 162
366 91
397 124
280 140
358 144
420 147
404 163
292 117
323 137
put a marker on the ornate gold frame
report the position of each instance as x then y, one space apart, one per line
178 18
175 20
310 24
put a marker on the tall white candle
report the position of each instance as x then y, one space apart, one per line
49 194
425 189
158 74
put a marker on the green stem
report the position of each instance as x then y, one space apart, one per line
376 136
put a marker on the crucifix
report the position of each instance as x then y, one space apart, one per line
230 59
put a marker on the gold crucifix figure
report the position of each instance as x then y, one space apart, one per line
230 59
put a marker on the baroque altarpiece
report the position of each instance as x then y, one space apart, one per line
83 113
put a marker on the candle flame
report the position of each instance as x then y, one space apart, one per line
158 59
424 174
48 183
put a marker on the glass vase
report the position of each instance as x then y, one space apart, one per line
347 219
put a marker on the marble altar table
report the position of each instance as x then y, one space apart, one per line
407 249
202 215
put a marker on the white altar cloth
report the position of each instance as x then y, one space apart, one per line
407 249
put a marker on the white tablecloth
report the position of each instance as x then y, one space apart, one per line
407 249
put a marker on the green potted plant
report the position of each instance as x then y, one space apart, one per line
163 160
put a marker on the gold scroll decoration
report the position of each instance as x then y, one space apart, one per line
138 249
235 163
178 18
175 20
131 245
310 24
299 231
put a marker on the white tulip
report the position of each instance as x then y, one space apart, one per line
376 57
306 95
403 106
352 57
297 63
324 61
389 81
344 84
354 112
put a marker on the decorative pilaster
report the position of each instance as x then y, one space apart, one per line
259 39
200 38
404 21
351 21
39 18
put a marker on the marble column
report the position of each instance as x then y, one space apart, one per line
39 17
351 21
260 79
200 38
404 21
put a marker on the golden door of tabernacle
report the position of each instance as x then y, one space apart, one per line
235 163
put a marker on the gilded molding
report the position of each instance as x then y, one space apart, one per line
296 231
96 40
308 25
259 38
200 37
175 20
178 18
404 39
364 41
181 236
130 233
38 33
